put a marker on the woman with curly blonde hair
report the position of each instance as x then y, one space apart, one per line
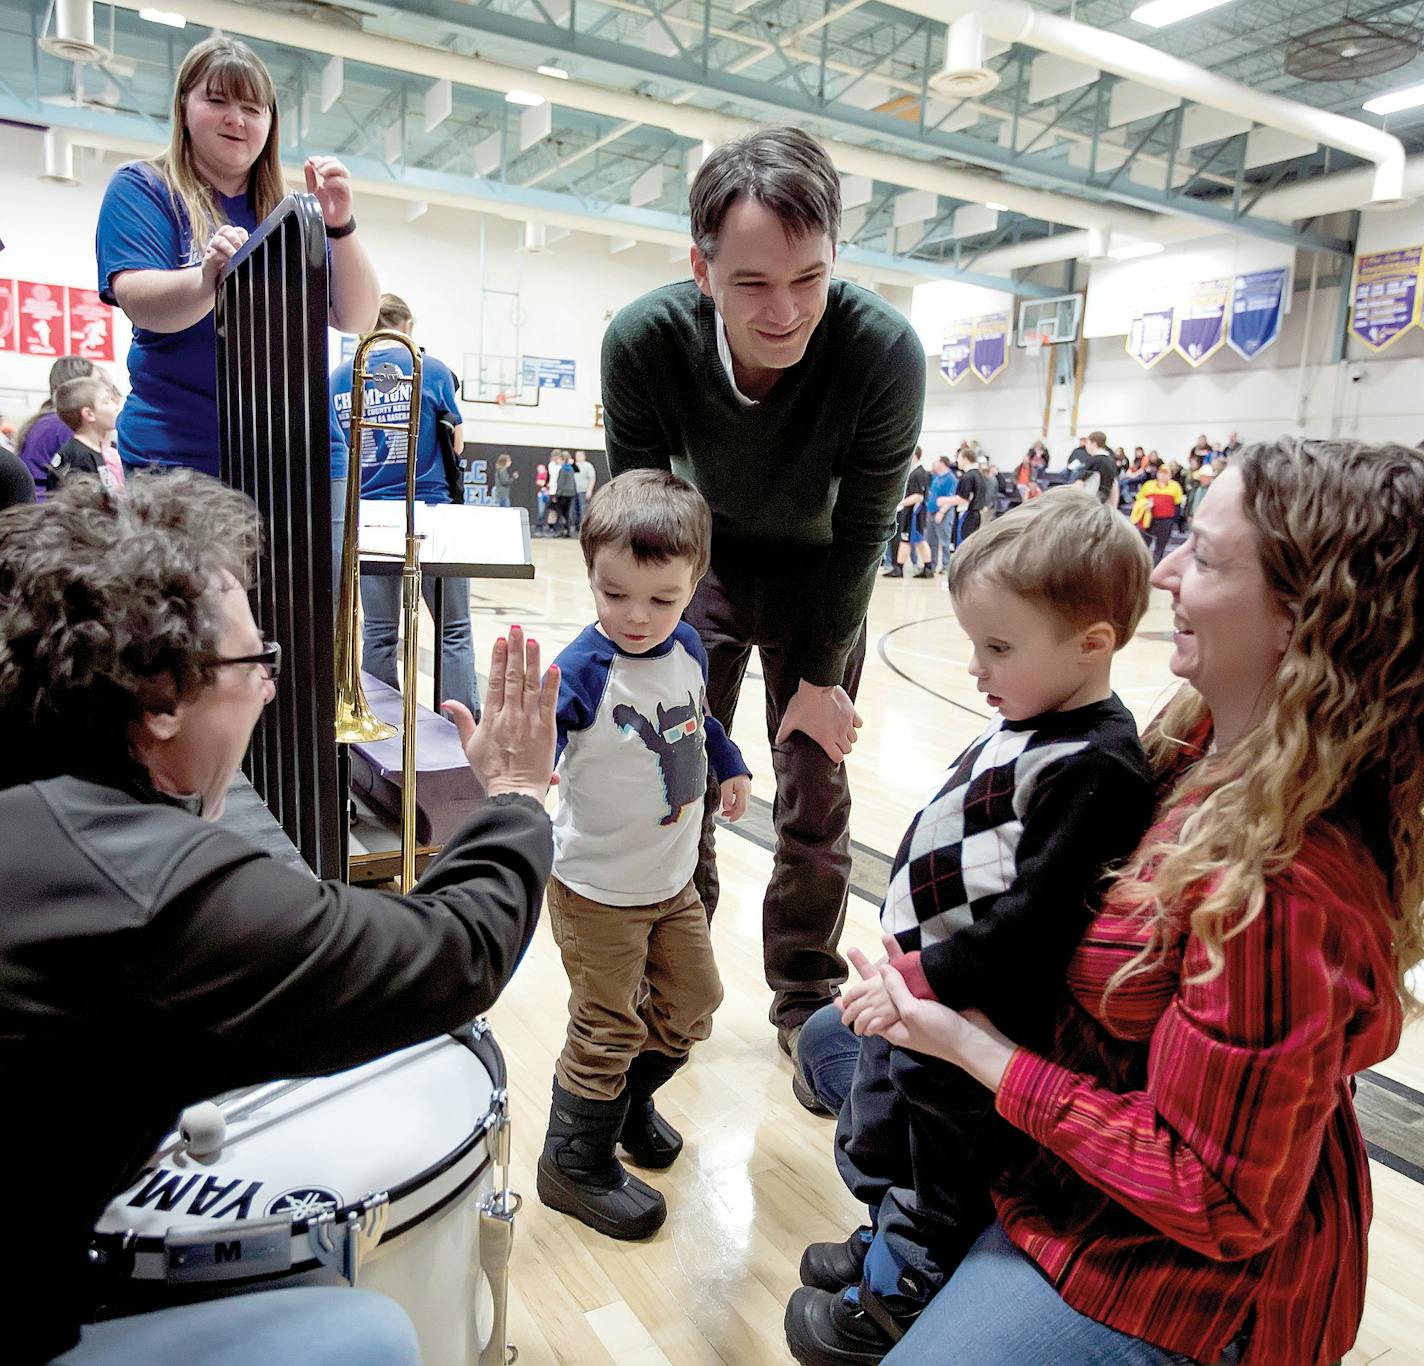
1200 1190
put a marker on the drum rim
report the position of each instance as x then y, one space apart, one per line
479 1039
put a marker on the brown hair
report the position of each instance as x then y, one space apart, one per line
75 395
394 311
1098 439
1340 533
782 168
1069 554
66 367
231 68
652 513
108 610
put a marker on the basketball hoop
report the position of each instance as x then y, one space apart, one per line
1035 342
501 399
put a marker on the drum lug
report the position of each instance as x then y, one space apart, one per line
497 1211
343 1246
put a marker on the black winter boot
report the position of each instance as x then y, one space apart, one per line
646 1136
579 1175
835 1266
845 1328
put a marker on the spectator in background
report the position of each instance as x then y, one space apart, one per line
939 514
1198 490
504 478
910 542
7 436
1097 461
584 479
40 437
1164 496
381 467
972 497
89 408
565 491
169 227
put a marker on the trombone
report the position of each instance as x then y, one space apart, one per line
355 722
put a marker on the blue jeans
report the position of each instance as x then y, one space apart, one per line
381 601
827 1053
302 1326
338 526
999 1309
501 497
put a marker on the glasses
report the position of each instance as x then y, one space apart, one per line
270 659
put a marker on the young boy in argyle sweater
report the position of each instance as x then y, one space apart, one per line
993 886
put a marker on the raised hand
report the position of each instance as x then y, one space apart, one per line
330 182
512 747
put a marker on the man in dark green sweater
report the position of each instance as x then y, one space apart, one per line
792 401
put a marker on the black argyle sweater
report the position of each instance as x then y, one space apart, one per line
1000 872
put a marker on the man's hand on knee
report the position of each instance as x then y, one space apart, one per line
826 714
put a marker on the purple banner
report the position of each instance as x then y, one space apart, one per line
1151 336
955 351
991 346
1385 301
1201 324
1256 307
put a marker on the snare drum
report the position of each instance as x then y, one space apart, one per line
382 1176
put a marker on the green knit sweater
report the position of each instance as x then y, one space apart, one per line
818 466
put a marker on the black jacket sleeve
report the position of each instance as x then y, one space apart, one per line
1087 813
304 977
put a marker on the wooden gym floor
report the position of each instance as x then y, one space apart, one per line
755 1182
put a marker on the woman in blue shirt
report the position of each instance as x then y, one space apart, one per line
168 228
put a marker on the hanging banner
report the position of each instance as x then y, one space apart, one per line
1384 303
1201 322
1151 336
955 351
1256 306
41 319
8 339
91 325
991 346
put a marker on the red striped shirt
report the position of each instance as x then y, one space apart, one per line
1201 1172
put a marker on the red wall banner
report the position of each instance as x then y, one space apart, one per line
55 320
91 325
8 340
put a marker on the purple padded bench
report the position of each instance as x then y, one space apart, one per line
446 792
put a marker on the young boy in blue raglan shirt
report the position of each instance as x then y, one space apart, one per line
635 741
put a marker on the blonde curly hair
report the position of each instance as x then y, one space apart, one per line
1340 533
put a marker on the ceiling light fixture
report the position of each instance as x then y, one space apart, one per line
1131 250
1160 13
998 208
1409 98
163 16
524 97
557 72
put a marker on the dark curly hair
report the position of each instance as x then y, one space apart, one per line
108 611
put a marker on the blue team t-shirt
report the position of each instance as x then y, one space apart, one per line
171 415
941 486
387 400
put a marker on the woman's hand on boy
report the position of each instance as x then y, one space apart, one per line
735 794
966 1038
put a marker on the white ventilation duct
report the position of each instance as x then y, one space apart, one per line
536 238
58 159
685 120
965 73
73 36
1014 21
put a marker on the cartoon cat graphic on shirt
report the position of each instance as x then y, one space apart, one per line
678 745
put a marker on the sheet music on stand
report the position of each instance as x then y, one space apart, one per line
460 540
